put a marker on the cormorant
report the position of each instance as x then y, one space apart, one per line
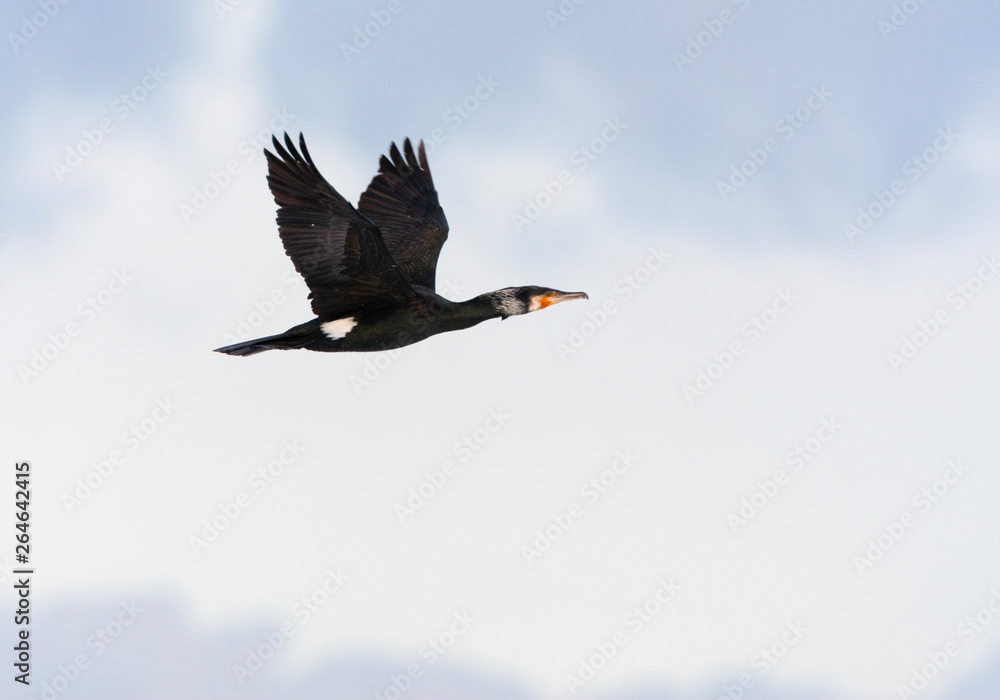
371 270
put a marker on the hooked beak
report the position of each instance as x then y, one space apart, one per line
554 297
567 296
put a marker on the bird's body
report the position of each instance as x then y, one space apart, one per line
380 328
371 270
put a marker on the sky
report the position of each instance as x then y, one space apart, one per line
760 461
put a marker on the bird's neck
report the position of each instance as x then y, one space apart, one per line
498 304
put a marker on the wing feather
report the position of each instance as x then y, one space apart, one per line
402 202
339 252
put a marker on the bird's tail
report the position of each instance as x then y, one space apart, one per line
286 341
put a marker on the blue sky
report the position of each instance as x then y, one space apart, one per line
785 218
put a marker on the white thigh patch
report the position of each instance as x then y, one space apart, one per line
335 330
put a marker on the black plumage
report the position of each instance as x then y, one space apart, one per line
371 270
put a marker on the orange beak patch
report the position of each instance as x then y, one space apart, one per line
553 297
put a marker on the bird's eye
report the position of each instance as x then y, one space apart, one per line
548 294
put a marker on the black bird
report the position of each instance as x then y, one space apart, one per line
371 269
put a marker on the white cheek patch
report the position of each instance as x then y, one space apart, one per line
335 330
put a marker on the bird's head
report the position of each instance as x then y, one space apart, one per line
515 301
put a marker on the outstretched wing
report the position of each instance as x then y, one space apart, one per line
339 252
402 202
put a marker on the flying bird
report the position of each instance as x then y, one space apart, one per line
371 270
